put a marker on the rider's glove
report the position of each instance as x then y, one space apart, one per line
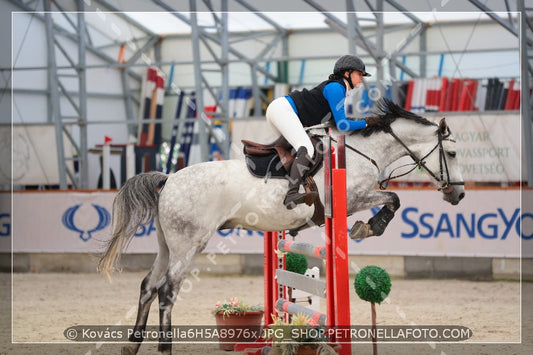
373 121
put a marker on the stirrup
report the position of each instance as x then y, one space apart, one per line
307 197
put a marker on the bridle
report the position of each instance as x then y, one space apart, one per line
443 176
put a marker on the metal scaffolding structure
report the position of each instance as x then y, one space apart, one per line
223 50
56 86
526 72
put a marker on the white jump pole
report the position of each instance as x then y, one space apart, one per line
130 159
106 157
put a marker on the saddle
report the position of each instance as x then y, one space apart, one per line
274 160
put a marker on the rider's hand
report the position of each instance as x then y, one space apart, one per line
373 121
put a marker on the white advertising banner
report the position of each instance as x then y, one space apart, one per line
65 222
486 223
488 146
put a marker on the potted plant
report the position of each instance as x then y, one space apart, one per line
373 284
300 337
237 322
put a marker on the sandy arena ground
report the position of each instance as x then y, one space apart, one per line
44 305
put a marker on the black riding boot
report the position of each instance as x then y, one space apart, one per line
301 165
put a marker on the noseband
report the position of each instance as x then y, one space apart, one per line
444 174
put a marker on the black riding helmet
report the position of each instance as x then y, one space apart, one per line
349 63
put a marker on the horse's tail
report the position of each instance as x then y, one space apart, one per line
135 204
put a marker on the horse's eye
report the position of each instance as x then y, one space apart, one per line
451 154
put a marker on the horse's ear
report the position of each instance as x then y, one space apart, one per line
443 127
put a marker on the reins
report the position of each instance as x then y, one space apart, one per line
329 125
360 153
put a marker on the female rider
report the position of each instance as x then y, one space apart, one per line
288 115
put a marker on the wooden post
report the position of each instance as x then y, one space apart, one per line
374 340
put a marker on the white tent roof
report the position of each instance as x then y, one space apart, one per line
167 23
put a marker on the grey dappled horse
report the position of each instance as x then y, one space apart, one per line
198 200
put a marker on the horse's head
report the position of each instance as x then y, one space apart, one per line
443 167
435 154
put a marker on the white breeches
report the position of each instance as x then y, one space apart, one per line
283 120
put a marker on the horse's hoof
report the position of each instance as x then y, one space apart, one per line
127 350
360 230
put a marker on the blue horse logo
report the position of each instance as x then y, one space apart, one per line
104 218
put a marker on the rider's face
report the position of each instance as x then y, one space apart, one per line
357 78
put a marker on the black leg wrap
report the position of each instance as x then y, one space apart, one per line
136 334
166 302
127 350
381 220
145 299
165 348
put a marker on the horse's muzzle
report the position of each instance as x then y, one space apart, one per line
448 189
452 195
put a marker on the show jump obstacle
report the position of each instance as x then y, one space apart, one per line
336 288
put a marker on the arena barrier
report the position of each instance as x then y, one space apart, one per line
336 288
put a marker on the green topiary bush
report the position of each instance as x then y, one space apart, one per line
372 284
296 263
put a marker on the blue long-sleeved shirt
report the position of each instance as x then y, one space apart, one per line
335 94
322 103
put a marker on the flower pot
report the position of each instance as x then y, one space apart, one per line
238 328
307 350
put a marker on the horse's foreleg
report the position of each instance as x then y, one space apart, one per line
377 224
381 220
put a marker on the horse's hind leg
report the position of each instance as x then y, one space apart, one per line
149 290
168 293
167 297
146 297
181 255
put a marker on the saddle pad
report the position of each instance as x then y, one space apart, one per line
268 166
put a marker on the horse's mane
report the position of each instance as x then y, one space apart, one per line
388 112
